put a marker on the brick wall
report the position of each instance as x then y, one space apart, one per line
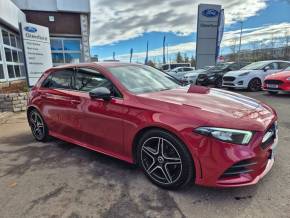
14 102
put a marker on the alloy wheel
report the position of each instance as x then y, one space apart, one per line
37 125
255 85
161 160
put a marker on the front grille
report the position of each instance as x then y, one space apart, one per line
229 78
239 168
273 82
228 84
270 140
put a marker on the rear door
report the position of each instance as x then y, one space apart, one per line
59 104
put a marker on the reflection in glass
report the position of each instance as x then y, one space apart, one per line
72 58
57 58
56 45
72 45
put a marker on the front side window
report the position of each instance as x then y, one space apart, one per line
88 79
283 65
273 66
143 79
59 80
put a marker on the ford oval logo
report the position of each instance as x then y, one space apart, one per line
30 29
210 13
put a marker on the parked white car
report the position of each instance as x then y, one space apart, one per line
179 72
253 75
191 77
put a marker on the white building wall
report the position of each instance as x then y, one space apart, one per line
10 14
77 6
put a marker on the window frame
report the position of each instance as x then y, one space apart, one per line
18 49
73 82
64 52
91 68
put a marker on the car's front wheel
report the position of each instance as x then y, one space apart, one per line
165 159
38 126
255 85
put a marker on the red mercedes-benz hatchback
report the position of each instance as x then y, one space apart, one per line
140 115
278 82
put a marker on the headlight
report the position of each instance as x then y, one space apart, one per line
234 136
244 74
288 79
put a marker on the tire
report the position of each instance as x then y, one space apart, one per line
219 82
38 126
273 93
255 85
165 160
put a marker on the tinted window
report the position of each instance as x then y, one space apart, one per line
88 79
273 66
59 80
187 69
283 65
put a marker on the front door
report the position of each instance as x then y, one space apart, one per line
102 121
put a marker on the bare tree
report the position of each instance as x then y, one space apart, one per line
233 48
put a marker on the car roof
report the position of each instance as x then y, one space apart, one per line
104 64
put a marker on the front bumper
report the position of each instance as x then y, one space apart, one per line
238 83
216 161
280 87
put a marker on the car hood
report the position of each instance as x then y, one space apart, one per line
238 72
217 107
280 75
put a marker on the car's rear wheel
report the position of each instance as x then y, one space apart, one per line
255 85
38 126
165 159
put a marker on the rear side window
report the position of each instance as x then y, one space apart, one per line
59 80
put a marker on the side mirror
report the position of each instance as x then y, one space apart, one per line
266 68
101 93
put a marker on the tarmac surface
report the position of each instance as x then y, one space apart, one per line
58 179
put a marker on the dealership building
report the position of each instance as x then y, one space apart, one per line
68 22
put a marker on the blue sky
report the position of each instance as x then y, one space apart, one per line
128 26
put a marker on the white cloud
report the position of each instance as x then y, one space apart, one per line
263 34
113 21
183 47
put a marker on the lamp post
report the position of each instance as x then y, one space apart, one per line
241 33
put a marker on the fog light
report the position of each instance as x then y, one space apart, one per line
240 82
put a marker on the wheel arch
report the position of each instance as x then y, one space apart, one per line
142 131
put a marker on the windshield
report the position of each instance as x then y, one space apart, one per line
255 66
143 79
221 66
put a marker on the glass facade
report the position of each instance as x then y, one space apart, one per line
11 56
65 50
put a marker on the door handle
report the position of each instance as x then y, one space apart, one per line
75 102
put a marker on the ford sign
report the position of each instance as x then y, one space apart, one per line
30 29
210 12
